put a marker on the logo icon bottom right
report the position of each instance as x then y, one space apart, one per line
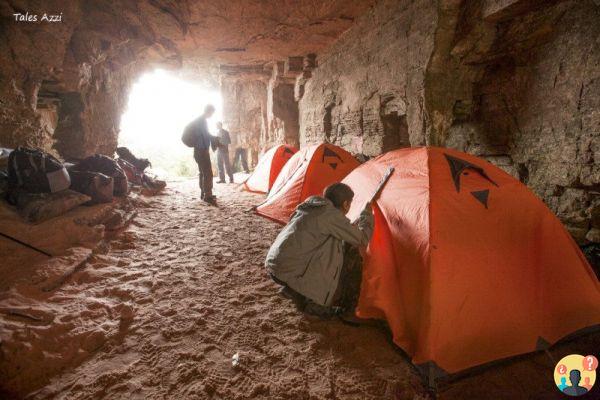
575 375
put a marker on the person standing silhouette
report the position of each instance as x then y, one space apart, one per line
575 389
204 141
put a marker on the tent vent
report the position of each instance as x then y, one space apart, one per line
482 196
457 166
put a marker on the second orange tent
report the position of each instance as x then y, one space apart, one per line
307 173
268 168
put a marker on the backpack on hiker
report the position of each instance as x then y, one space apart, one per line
189 136
34 171
107 166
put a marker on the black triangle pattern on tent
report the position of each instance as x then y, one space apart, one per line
457 166
333 165
327 152
482 196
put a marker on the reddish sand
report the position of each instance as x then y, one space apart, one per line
159 310
171 300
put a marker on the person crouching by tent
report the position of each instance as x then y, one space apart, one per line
315 257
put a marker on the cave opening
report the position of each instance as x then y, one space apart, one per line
159 107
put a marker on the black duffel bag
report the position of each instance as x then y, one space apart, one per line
107 166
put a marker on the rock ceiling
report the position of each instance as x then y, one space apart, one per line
239 33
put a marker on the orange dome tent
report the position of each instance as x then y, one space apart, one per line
269 166
466 264
307 173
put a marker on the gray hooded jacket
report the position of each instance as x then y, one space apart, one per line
308 253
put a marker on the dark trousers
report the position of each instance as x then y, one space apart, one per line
348 290
241 156
224 164
202 157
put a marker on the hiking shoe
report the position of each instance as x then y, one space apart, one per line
212 200
320 311
350 319
220 181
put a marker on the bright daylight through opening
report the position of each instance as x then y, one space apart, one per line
160 106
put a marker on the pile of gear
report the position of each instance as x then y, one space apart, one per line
42 187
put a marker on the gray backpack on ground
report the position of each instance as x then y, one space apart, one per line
96 185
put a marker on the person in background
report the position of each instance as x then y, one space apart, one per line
563 383
203 142
223 142
240 159
587 384
315 257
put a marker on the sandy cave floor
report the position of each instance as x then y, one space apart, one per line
161 310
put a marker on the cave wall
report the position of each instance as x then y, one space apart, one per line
514 81
64 85
260 106
366 93
282 109
245 114
538 107
282 116
89 119
30 56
